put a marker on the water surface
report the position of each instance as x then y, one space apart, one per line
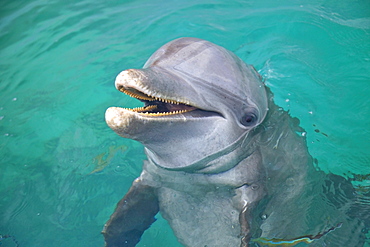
63 170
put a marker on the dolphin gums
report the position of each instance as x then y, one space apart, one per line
225 165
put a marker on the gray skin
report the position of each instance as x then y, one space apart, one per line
228 167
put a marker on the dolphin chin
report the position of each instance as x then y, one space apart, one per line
225 165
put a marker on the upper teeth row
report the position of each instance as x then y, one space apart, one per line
149 98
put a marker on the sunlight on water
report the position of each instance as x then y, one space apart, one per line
63 170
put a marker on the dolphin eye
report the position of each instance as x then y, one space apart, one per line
249 119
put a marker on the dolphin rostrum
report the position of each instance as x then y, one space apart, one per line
226 166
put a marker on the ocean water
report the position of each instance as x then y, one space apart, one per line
62 170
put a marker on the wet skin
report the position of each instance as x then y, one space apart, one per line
220 154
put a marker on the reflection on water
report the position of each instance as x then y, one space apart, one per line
58 64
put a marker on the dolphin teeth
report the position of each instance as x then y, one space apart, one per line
159 114
137 95
143 96
162 109
143 109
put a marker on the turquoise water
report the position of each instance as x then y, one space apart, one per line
63 170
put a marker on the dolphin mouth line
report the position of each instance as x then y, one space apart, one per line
157 107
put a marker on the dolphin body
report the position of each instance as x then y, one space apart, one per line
226 166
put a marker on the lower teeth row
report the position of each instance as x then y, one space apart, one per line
145 109
165 113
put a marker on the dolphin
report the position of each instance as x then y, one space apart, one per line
225 165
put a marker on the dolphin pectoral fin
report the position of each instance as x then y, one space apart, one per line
245 232
133 215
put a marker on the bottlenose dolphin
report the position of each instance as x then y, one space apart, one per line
226 166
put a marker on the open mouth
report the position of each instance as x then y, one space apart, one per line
155 106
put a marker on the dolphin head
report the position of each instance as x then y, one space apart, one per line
200 104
